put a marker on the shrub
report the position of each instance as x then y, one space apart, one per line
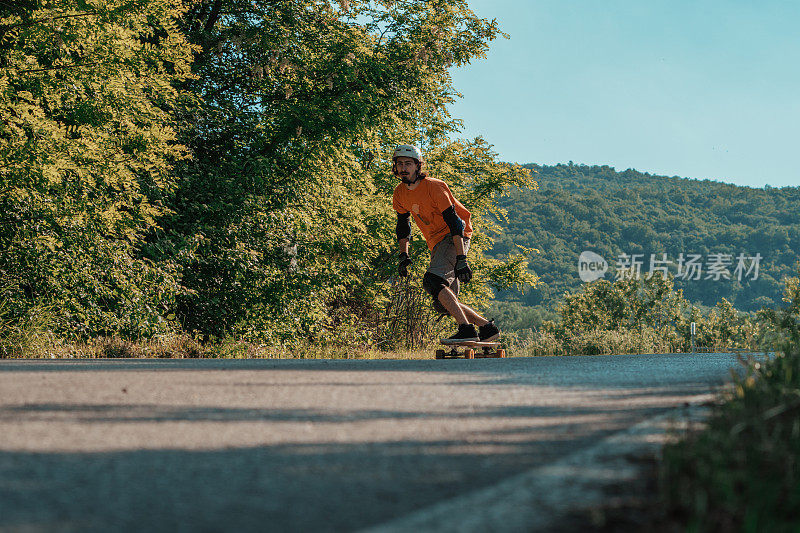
742 471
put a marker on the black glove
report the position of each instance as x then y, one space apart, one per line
463 271
405 262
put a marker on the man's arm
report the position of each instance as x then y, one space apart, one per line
456 225
458 241
462 268
403 245
403 228
403 233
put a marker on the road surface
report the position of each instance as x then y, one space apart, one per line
316 445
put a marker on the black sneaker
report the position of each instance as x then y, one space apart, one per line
465 333
488 332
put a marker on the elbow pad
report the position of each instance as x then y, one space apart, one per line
403 229
453 221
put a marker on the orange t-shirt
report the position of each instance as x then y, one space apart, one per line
426 203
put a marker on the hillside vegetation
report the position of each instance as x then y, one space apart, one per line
578 208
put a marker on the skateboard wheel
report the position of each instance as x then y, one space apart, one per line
501 353
439 354
469 353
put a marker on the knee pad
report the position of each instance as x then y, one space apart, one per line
433 284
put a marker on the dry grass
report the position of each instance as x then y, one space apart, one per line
43 345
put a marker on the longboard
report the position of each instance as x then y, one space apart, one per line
470 350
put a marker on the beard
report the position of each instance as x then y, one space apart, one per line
405 177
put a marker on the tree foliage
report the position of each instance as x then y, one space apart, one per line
86 151
223 166
282 219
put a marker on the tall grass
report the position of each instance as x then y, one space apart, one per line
742 471
33 343
28 334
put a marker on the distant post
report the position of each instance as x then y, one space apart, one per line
693 329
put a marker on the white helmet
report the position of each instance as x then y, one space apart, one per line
407 150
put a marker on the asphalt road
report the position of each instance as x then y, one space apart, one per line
306 445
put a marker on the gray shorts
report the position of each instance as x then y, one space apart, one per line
443 261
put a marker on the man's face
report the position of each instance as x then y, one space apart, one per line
405 168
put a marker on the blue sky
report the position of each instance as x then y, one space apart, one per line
697 89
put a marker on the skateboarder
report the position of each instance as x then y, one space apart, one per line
445 224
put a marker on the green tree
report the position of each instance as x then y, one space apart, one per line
87 90
282 219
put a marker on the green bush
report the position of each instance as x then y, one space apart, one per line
741 473
630 316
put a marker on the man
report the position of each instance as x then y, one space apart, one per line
445 224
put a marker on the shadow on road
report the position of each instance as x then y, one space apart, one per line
132 413
298 487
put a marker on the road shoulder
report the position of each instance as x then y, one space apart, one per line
575 491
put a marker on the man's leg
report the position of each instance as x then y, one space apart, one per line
487 330
446 299
472 316
437 287
450 302
441 282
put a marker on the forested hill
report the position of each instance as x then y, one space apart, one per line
595 208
